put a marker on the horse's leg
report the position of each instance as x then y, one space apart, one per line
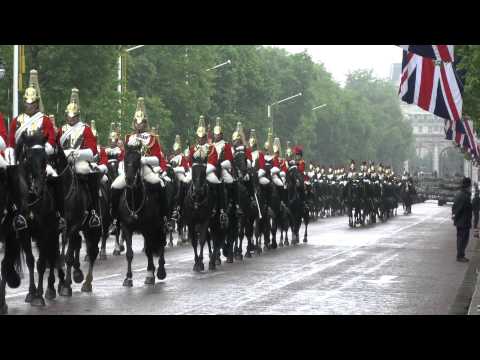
92 240
103 250
66 289
116 250
30 260
203 237
161 273
77 245
273 231
150 278
38 299
192 233
128 282
50 293
3 303
307 220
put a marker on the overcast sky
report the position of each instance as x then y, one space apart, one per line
339 60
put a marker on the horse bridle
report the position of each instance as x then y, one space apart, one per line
134 212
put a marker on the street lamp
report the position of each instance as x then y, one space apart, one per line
228 62
269 107
2 69
319 107
122 73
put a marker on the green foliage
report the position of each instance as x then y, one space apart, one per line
361 121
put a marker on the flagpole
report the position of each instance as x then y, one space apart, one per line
15 81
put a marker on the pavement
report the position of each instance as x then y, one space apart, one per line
404 266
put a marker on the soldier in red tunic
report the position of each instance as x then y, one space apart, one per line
3 142
178 161
80 146
258 158
33 119
101 159
152 157
115 152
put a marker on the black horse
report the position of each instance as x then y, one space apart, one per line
243 226
77 216
407 193
140 210
113 171
42 219
296 202
198 207
11 263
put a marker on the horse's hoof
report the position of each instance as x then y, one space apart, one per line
211 266
38 301
229 259
280 244
103 256
4 309
50 294
122 248
87 287
161 273
287 243
128 283
116 252
201 266
150 281
218 261
78 276
29 297
66 291
305 240
248 255
170 244
265 248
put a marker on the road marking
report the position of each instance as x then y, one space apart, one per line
383 280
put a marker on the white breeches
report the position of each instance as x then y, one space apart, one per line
226 177
82 167
51 171
147 174
3 163
104 179
277 181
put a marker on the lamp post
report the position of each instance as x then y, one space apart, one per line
269 107
319 107
122 75
2 69
228 62
15 81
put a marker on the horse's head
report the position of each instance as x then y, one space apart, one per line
240 162
295 179
34 158
112 168
132 164
198 181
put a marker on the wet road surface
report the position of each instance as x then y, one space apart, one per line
404 266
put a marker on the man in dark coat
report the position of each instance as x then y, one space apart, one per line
462 218
476 210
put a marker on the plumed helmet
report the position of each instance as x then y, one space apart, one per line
73 107
201 130
32 92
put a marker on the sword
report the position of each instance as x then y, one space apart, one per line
258 206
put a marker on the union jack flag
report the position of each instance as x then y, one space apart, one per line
448 129
436 52
432 85
472 146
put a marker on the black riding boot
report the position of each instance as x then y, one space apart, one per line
59 196
94 189
115 195
18 193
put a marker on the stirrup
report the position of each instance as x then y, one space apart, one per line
19 223
61 223
94 220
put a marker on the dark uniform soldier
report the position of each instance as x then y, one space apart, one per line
462 218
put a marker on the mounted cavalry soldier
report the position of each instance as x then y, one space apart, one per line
101 159
258 158
151 157
33 119
204 153
114 150
279 168
179 162
3 143
80 147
